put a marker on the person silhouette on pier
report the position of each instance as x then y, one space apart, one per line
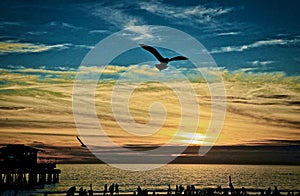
117 189
268 192
244 191
91 192
181 189
71 191
177 190
193 189
169 189
219 189
81 192
145 192
276 191
188 190
105 189
111 189
139 191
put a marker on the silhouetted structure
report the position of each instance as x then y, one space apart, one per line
19 168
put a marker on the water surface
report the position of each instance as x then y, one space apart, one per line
249 176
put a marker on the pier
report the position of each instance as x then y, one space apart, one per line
19 168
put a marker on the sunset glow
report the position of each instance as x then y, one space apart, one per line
250 48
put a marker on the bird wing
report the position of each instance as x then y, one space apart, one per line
176 58
153 51
82 144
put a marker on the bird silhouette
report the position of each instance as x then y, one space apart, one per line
163 61
82 144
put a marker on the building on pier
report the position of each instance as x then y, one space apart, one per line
20 169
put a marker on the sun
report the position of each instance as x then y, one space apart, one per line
191 138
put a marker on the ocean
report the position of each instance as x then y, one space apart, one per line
202 176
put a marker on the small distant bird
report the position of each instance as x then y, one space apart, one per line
82 144
163 61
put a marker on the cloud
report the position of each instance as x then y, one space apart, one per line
140 32
45 71
229 33
82 46
119 18
16 47
100 31
64 25
256 62
261 43
109 69
37 33
137 30
9 23
248 103
112 72
185 15
112 14
247 69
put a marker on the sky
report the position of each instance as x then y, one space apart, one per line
255 46
259 36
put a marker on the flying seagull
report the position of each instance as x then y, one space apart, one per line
82 144
163 61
